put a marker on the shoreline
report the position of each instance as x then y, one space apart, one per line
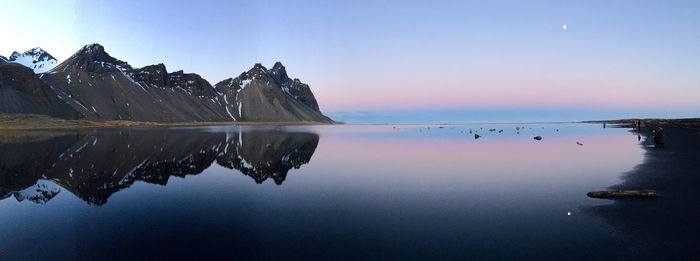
42 122
665 227
656 122
13 122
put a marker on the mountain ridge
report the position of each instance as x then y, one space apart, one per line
101 87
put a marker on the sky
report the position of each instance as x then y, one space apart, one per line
629 58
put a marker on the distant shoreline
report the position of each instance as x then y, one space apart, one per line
684 122
42 122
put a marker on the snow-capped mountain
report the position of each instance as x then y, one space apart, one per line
36 59
98 86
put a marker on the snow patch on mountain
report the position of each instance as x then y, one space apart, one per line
244 83
36 59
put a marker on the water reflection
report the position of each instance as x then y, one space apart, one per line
36 166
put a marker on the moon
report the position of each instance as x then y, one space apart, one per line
563 27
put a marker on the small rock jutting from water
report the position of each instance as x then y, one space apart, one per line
476 136
538 137
579 143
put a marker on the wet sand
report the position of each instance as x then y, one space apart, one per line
668 227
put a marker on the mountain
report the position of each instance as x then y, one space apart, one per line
98 86
269 95
36 59
3 59
22 91
102 87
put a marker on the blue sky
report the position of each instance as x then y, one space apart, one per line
389 56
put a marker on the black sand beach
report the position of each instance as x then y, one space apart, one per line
668 227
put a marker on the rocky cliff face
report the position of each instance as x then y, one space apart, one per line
22 91
158 76
104 88
269 95
100 87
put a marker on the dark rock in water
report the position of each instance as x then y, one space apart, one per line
538 137
492 130
579 143
476 136
658 137
441 127
647 193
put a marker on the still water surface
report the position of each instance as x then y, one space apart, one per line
311 192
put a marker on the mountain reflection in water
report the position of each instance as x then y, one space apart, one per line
93 165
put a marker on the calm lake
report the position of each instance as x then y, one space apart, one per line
312 192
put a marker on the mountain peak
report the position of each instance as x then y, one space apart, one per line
278 68
258 71
258 67
35 50
94 58
93 48
14 55
36 59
